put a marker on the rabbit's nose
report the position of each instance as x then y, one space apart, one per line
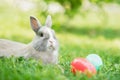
51 41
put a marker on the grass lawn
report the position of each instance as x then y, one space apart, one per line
71 46
74 42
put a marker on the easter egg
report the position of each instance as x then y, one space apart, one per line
82 65
95 60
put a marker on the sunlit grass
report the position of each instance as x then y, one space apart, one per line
79 36
71 46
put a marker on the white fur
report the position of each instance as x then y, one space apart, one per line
41 48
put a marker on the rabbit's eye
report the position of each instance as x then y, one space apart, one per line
41 34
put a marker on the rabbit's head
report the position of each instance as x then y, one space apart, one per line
45 39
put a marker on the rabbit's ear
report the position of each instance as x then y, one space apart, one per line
35 24
48 22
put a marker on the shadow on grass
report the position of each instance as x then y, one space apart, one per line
108 33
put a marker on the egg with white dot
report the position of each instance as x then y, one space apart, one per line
95 60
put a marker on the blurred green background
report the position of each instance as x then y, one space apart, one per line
95 22
91 18
82 27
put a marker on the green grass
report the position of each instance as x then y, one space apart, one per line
77 39
76 46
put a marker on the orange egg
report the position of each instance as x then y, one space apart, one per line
84 66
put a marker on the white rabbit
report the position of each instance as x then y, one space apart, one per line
43 47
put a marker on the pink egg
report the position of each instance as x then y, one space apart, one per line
82 65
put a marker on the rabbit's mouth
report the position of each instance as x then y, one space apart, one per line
51 47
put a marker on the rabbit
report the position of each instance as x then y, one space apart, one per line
43 47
